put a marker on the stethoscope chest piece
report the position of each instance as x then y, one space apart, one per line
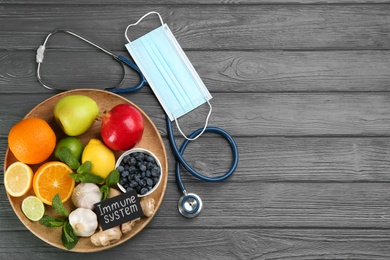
190 205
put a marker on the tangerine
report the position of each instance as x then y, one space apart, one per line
53 178
31 140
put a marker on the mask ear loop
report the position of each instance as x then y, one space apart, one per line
139 20
204 128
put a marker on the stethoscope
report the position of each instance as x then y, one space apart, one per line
190 204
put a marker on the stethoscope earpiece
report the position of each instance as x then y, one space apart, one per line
190 205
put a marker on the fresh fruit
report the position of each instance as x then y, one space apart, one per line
33 208
31 140
138 171
73 144
101 157
75 114
122 127
18 179
52 178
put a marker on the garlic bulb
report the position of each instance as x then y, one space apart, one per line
83 221
85 195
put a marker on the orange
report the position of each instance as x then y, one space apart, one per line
18 179
52 178
32 140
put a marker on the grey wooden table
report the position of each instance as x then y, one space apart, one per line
304 88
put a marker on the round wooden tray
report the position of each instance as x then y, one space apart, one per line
151 140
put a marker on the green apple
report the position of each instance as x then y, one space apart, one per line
75 114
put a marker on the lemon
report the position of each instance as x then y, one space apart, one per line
74 144
33 208
101 157
18 179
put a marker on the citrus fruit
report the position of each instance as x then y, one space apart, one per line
101 157
52 178
33 208
18 179
32 140
73 144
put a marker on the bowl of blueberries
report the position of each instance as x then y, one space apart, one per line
139 170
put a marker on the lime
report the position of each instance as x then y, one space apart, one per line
33 208
74 144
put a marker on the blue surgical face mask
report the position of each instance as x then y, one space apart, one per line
168 71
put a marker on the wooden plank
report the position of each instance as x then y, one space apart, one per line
274 159
217 27
263 114
195 2
234 72
218 243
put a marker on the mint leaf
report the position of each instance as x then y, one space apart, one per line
51 222
104 190
86 177
85 167
112 178
83 174
59 206
75 177
68 237
66 156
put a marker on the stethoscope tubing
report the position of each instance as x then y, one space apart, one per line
178 152
119 58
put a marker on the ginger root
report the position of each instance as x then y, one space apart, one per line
148 205
106 237
113 193
128 226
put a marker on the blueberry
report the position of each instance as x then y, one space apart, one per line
155 171
132 169
150 159
120 168
155 180
126 159
139 156
149 182
148 173
149 165
133 184
144 191
122 182
142 183
129 189
132 161
125 174
142 167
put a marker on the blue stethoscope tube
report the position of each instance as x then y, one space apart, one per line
178 152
